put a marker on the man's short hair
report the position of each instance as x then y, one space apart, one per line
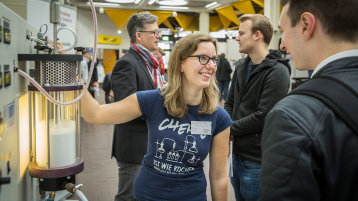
85 52
137 22
339 18
259 23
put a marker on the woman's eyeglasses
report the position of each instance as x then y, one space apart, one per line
204 59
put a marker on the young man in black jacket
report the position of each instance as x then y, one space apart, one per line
257 85
309 153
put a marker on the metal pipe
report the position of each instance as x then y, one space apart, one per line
55 18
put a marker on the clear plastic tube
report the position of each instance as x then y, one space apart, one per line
81 195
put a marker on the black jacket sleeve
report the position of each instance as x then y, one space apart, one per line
274 88
107 86
123 80
288 164
94 77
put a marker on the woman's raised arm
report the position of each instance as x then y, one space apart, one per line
114 113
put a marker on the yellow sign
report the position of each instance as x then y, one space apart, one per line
116 40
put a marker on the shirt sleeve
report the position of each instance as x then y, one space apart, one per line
148 102
223 121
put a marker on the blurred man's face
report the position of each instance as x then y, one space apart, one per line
87 55
157 55
245 37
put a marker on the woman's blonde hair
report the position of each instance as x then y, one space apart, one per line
173 92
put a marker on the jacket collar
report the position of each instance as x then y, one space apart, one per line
142 65
344 54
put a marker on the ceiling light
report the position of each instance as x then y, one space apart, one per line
173 3
101 10
211 4
174 7
137 1
119 32
120 1
151 2
106 5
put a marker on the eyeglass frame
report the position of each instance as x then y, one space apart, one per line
152 32
213 59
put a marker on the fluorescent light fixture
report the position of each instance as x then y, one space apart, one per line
24 137
211 4
174 7
173 3
120 1
96 4
151 2
137 1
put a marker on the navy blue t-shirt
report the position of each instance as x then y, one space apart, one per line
172 168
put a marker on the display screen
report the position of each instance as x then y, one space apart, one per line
7 33
0 77
1 33
7 75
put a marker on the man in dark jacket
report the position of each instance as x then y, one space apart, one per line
134 72
107 88
309 153
223 76
257 85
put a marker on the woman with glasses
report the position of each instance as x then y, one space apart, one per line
185 124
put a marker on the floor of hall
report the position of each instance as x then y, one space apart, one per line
99 177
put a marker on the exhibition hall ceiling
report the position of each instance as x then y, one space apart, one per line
173 14
168 5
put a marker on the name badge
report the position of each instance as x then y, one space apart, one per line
201 127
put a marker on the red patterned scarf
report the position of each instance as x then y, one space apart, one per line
151 63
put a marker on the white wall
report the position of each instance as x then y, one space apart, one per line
233 53
85 30
18 6
68 19
222 48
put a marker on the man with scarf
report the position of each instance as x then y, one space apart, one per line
136 71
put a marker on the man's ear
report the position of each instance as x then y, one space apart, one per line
257 35
308 23
138 37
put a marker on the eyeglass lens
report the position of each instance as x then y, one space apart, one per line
203 59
